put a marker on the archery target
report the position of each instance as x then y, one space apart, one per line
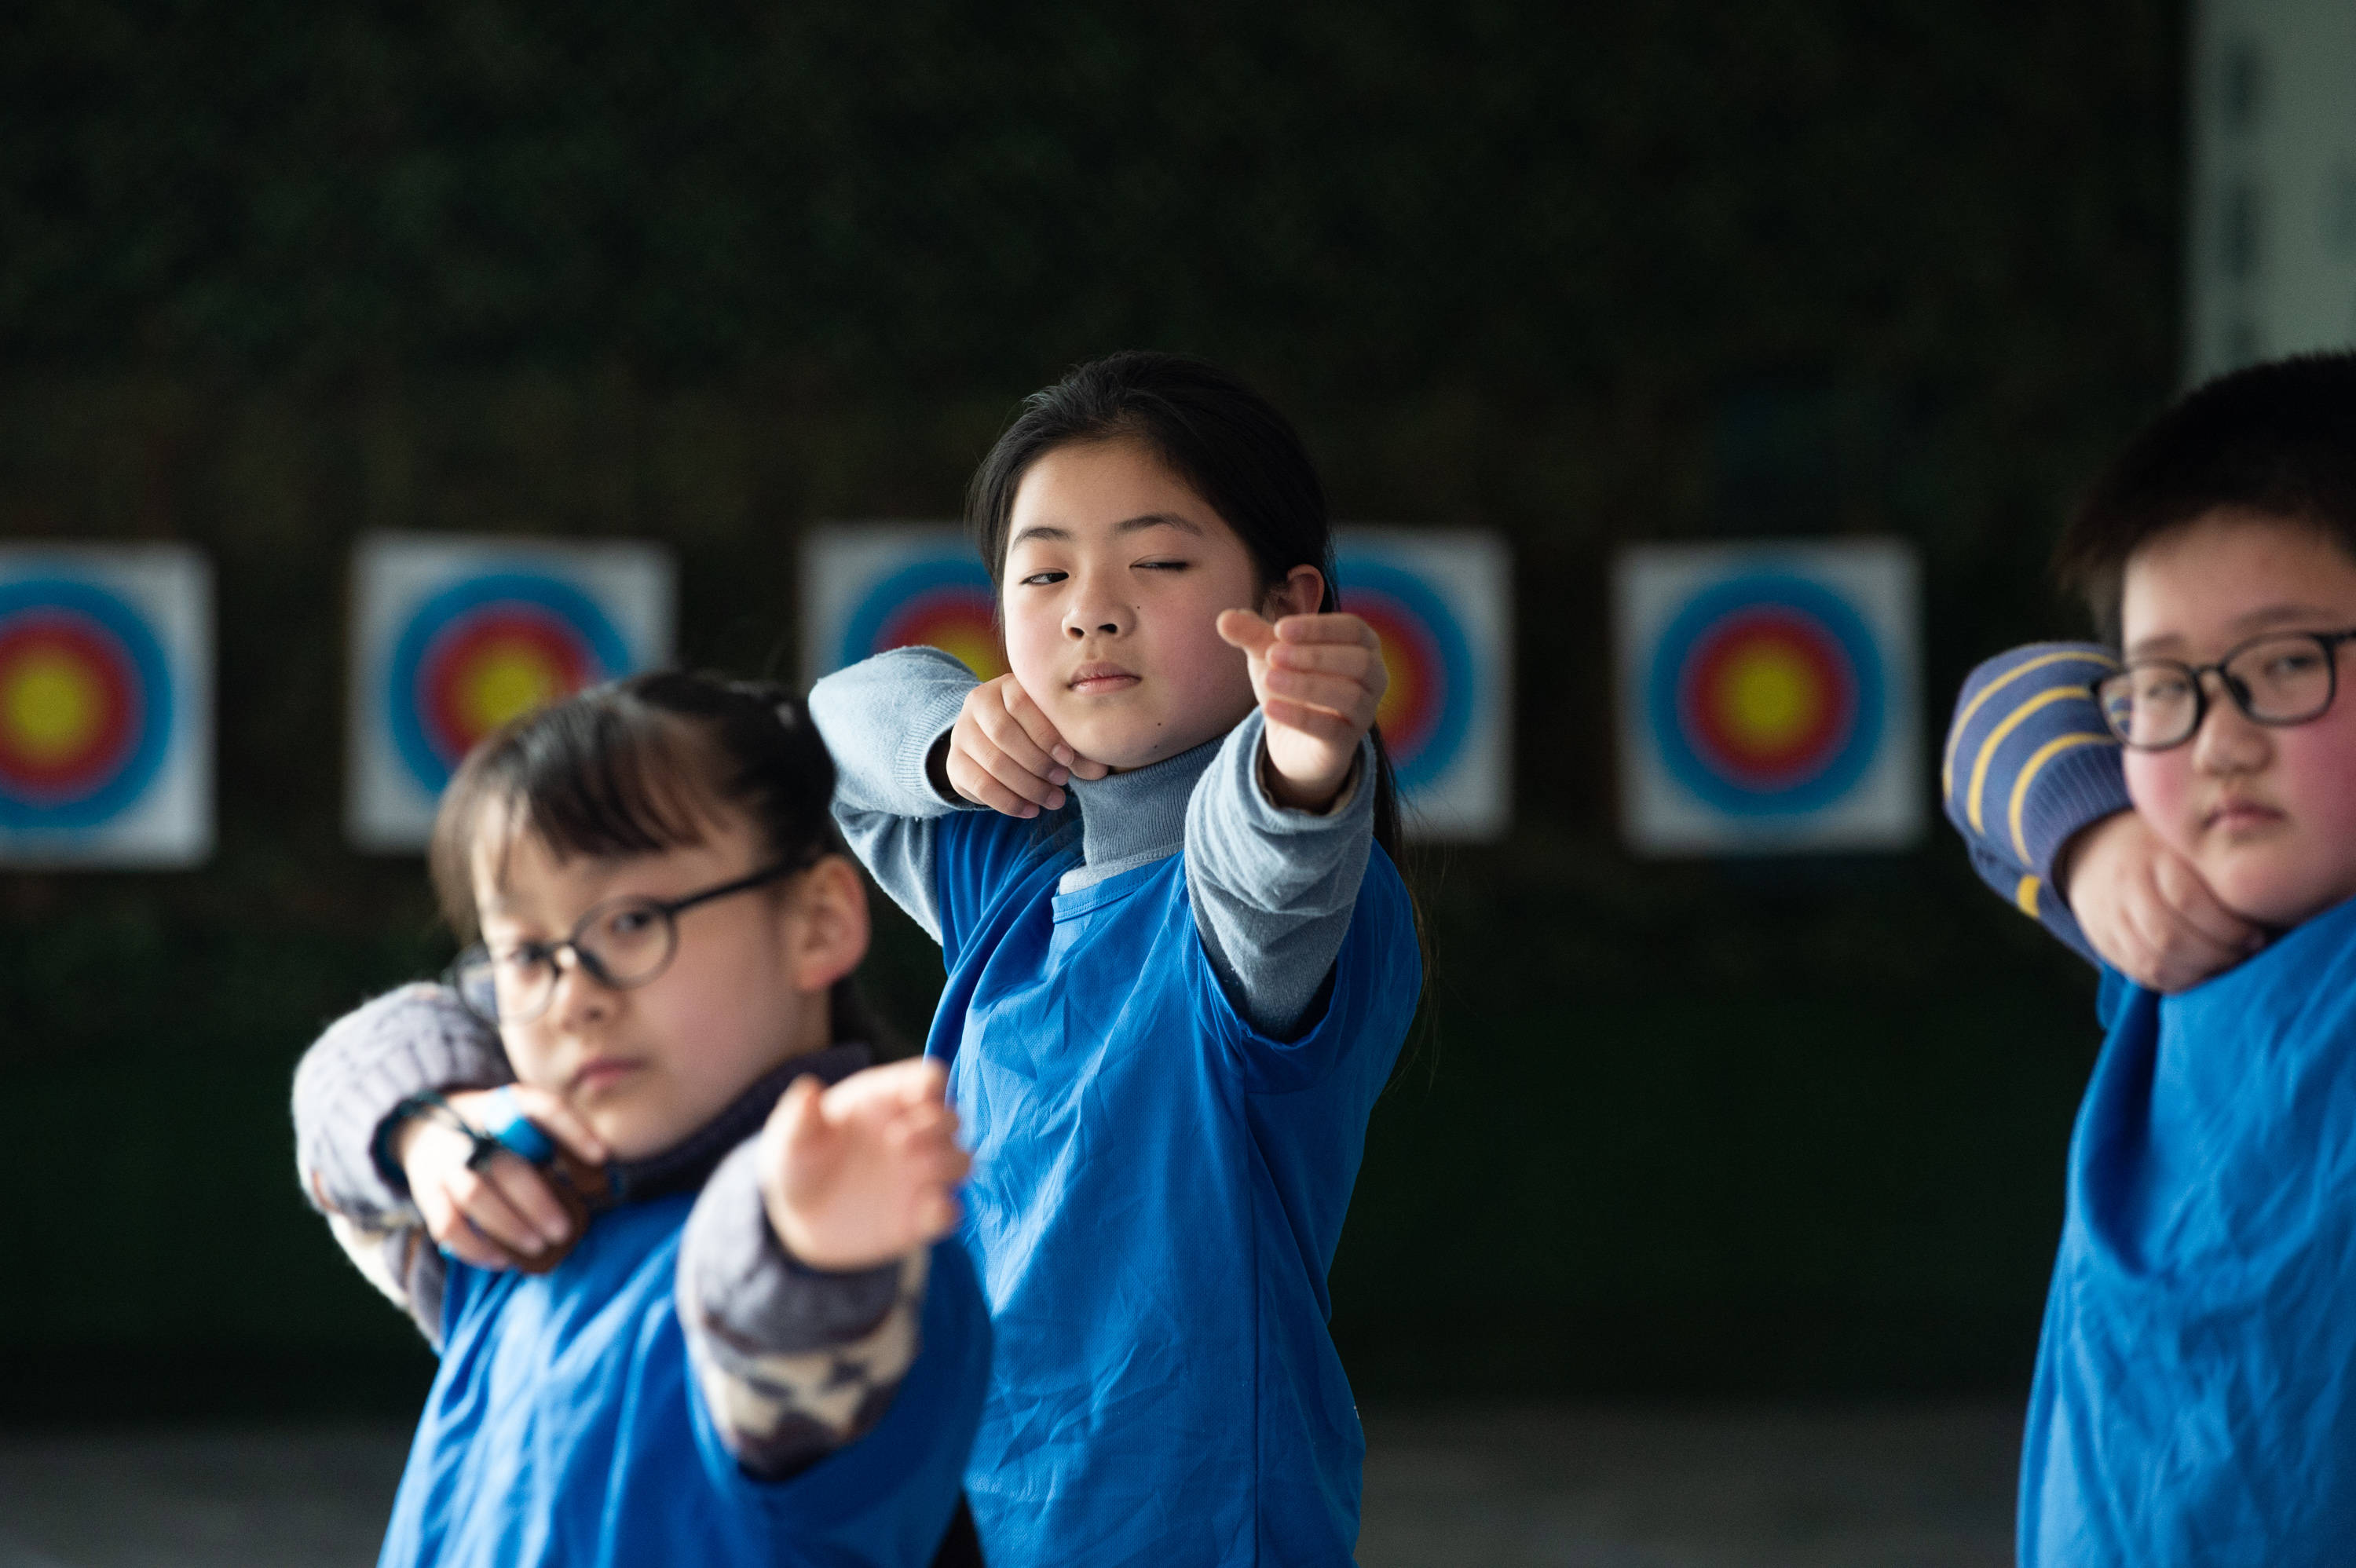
105 707
871 587
1768 697
454 638
1439 602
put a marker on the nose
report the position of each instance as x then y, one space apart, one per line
1094 610
2230 740
580 996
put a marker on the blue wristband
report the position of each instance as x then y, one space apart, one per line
516 1131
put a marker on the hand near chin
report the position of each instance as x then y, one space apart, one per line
500 1213
1005 753
1318 679
2146 910
862 1173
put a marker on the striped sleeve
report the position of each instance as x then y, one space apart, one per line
2028 764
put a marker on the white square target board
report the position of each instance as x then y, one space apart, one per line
1440 600
1769 697
452 636
106 706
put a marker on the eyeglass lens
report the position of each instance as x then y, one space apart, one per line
622 944
2279 680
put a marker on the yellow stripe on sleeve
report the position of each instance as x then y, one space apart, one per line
2012 721
1955 733
2038 758
2024 896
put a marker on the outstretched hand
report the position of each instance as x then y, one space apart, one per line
2145 909
1005 753
1318 679
856 1175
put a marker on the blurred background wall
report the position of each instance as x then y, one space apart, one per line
273 273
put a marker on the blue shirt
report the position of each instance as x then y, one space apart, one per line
565 1427
1158 1191
2195 1398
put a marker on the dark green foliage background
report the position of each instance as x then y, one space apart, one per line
274 273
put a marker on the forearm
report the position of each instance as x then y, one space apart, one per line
792 1362
882 720
403 1043
2029 764
1273 888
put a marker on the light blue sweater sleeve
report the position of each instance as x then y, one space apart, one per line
1273 888
879 720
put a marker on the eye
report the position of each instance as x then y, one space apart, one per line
1163 565
1042 579
631 921
523 958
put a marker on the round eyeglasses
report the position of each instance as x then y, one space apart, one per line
621 942
2279 679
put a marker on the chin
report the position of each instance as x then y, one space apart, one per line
2278 895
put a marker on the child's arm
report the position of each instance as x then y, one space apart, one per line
393 1190
1278 831
881 720
403 1043
803 1267
2032 778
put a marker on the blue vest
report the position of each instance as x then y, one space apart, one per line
565 1428
1157 1193
2195 1399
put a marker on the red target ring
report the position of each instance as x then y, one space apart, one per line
955 618
1417 693
485 668
1768 698
70 713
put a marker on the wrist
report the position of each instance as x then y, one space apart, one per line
1320 798
2075 847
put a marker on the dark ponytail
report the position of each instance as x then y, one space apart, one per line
1227 444
639 766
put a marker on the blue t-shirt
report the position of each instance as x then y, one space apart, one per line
565 1427
1158 1191
2195 1399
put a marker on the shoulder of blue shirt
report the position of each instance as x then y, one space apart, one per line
2028 762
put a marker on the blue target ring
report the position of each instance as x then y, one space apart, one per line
948 582
449 611
1822 612
1437 659
128 631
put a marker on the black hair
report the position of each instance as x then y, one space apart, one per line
1224 441
642 765
2278 439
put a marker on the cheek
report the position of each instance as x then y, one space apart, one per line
2315 771
2160 785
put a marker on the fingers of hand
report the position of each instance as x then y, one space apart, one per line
984 774
1036 727
1342 694
2176 953
469 1198
1331 626
560 1121
2188 893
1245 630
895 1085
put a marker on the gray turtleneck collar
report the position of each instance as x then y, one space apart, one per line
1135 818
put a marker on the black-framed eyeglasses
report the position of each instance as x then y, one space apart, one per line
619 944
2277 678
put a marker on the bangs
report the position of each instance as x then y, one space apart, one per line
604 776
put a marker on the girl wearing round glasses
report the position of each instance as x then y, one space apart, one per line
678 1245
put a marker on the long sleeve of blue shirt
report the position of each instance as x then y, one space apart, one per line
2028 764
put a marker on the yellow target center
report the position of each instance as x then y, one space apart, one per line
52 705
511 678
1769 698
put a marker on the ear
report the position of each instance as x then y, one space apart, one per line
1303 589
827 930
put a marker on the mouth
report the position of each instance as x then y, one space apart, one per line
600 1075
1101 679
2235 817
